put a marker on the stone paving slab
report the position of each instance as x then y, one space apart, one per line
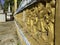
8 34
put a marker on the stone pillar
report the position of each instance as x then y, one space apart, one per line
2 15
15 5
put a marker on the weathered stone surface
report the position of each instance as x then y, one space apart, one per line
8 34
37 23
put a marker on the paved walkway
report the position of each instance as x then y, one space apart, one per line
8 35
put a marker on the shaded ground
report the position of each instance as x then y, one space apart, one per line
8 35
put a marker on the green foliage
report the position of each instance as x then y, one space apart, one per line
7 4
18 2
11 3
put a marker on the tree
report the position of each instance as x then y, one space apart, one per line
11 4
7 4
18 2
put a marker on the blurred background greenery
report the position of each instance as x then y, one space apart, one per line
11 4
